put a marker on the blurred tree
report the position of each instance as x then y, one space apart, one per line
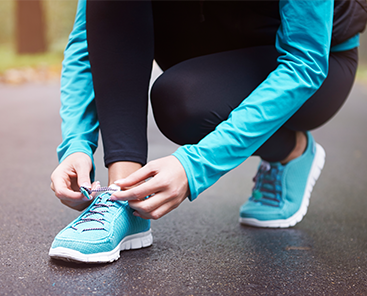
30 27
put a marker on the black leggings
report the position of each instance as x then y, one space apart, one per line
209 69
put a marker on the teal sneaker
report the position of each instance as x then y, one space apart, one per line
99 234
281 193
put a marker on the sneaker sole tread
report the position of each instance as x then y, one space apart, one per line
134 241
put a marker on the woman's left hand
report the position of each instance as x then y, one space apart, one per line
168 184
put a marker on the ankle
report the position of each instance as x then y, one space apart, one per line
121 169
299 149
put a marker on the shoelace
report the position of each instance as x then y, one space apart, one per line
99 209
268 187
99 189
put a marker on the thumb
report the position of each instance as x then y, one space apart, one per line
135 178
83 177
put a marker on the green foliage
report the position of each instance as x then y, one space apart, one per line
6 21
361 76
60 16
9 59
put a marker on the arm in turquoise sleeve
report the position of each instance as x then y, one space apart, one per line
303 41
80 125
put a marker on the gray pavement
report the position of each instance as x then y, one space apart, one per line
199 249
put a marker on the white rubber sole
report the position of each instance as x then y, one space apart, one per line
317 166
134 241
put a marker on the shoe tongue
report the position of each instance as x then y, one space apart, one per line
103 198
96 212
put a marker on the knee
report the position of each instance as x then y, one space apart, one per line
176 108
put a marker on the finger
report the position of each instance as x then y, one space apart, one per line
138 192
83 176
154 211
152 203
146 206
67 194
76 206
95 185
61 188
137 177
126 188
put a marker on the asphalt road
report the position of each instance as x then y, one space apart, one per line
199 249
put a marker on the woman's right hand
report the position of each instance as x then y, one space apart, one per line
66 180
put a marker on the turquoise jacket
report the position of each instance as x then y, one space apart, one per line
303 41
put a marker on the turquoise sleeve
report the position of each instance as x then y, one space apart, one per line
346 45
80 125
303 42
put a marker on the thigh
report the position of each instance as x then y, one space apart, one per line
191 98
188 29
326 102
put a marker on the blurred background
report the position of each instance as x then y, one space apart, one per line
33 35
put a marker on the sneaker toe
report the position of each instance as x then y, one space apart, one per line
258 211
85 244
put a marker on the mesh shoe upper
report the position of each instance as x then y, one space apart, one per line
101 227
280 189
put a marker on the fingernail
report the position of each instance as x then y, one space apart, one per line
119 181
87 185
136 214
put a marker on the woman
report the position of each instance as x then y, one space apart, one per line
240 79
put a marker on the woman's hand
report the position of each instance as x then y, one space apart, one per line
67 178
168 184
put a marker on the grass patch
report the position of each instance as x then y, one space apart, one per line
10 60
52 60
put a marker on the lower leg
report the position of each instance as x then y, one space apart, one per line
299 148
121 52
280 147
121 169
284 146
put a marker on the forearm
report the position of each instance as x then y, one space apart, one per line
78 111
304 47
